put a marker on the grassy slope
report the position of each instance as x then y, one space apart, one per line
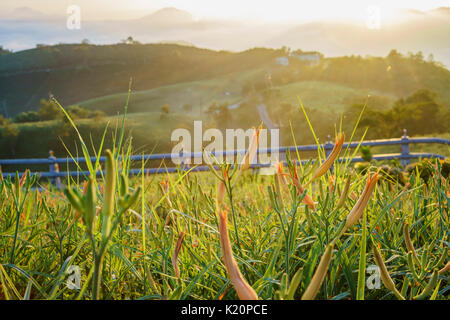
79 72
321 94
198 94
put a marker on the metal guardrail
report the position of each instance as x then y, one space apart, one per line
404 157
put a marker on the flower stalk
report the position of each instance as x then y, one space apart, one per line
86 205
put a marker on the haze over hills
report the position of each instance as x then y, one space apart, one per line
416 31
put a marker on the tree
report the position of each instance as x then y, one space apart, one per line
165 109
30 116
420 113
77 112
49 110
10 134
4 52
3 121
130 40
187 107
366 153
220 113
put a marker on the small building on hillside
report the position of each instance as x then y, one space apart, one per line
284 61
312 57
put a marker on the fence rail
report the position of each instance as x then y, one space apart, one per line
405 156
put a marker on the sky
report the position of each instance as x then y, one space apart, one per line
274 10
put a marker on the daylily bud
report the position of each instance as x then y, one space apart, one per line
384 274
221 189
90 205
110 185
253 148
307 199
359 207
326 165
445 268
130 199
84 204
243 289
319 275
164 185
74 199
429 287
176 252
123 185
344 193
281 175
409 244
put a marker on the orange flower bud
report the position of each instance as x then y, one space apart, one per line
326 165
243 289
307 199
176 252
359 207
252 149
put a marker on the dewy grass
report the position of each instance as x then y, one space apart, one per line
163 236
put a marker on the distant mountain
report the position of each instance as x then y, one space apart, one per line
27 14
177 42
426 31
441 10
418 31
167 17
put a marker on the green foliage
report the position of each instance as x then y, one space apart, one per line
426 168
10 134
220 113
4 52
281 248
30 116
366 153
3 121
48 110
419 113
285 252
165 109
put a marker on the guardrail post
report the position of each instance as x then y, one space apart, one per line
57 179
405 150
52 166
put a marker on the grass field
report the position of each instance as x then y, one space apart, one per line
323 94
198 94
165 236
228 89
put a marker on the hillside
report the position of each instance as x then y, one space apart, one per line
75 73
199 94
228 89
178 75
